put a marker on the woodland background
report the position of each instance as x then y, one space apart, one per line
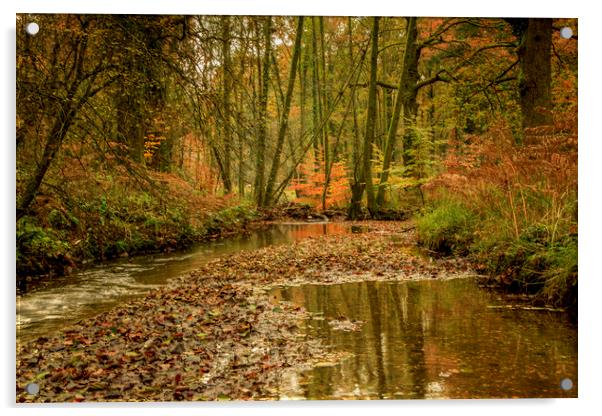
143 133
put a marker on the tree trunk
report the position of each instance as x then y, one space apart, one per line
357 188
263 103
409 60
65 115
316 110
535 73
324 105
409 92
53 143
370 120
285 113
226 87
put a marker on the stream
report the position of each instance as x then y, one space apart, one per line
52 304
430 339
395 340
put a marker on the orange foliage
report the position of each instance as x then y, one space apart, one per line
309 187
195 163
152 142
493 164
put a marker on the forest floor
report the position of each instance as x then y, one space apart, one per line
216 333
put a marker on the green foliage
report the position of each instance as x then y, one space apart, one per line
62 220
122 220
229 219
536 263
561 278
424 155
404 180
541 260
39 248
447 229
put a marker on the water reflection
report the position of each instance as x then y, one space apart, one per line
433 339
59 301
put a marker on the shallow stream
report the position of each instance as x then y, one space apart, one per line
444 338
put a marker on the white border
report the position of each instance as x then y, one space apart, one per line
589 180
511 8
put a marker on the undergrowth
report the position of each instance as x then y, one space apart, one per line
512 208
98 217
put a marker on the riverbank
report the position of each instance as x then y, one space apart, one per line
539 263
77 226
216 334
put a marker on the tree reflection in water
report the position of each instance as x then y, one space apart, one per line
434 339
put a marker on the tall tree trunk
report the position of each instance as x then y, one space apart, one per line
324 105
408 62
357 187
370 120
303 67
226 88
263 104
409 93
241 172
285 114
535 73
316 110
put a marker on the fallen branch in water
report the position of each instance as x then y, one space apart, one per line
526 308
